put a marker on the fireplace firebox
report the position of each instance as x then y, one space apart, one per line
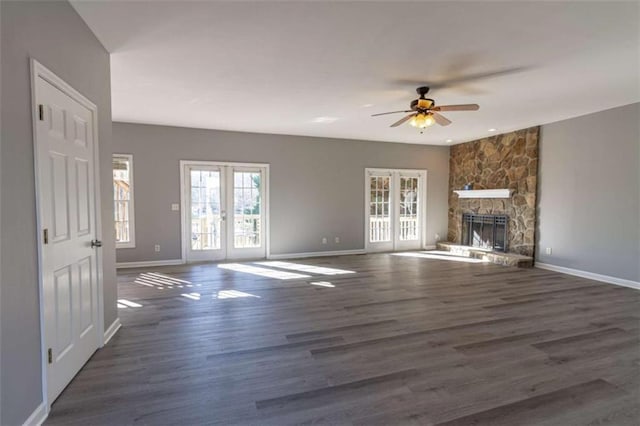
486 231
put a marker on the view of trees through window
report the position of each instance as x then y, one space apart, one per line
208 208
122 199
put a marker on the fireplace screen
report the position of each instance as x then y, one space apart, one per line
485 231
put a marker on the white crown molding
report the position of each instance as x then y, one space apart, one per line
485 193
590 275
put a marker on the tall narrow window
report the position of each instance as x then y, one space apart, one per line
123 200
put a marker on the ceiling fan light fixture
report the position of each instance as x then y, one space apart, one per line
422 120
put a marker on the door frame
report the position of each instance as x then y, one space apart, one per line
37 71
183 200
422 205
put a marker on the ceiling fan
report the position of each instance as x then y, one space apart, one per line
425 113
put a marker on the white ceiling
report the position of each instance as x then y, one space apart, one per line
276 67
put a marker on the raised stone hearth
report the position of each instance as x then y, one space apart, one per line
506 259
509 162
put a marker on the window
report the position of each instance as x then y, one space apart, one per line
123 200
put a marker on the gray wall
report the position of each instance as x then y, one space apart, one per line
316 184
56 36
589 193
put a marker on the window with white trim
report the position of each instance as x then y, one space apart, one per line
123 213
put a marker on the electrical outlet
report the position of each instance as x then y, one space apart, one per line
324 240
548 250
157 248
337 240
175 207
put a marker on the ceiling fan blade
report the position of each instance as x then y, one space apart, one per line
463 107
402 120
441 119
392 112
455 81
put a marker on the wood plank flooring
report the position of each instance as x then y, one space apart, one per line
363 340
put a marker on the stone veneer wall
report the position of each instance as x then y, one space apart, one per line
509 161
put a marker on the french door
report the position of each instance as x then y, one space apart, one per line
224 206
395 209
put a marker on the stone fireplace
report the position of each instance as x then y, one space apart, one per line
509 162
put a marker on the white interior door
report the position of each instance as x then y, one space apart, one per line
67 216
225 205
394 209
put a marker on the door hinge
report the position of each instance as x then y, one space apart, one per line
50 355
41 112
45 237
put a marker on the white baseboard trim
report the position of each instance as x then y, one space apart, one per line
432 247
38 416
112 330
590 275
149 263
315 254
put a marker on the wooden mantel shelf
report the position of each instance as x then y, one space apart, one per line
485 193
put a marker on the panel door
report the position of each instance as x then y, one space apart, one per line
66 207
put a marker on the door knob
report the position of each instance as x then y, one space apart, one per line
96 243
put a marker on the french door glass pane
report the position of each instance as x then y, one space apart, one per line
247 214
205 209
409 229
379 219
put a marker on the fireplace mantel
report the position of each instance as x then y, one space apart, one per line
485 193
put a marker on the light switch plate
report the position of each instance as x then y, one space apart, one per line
175 207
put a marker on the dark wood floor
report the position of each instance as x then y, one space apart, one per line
402 340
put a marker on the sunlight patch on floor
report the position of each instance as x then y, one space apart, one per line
263 272
321 270
439 256
160 281
192 296
232 294
124 303
322 284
